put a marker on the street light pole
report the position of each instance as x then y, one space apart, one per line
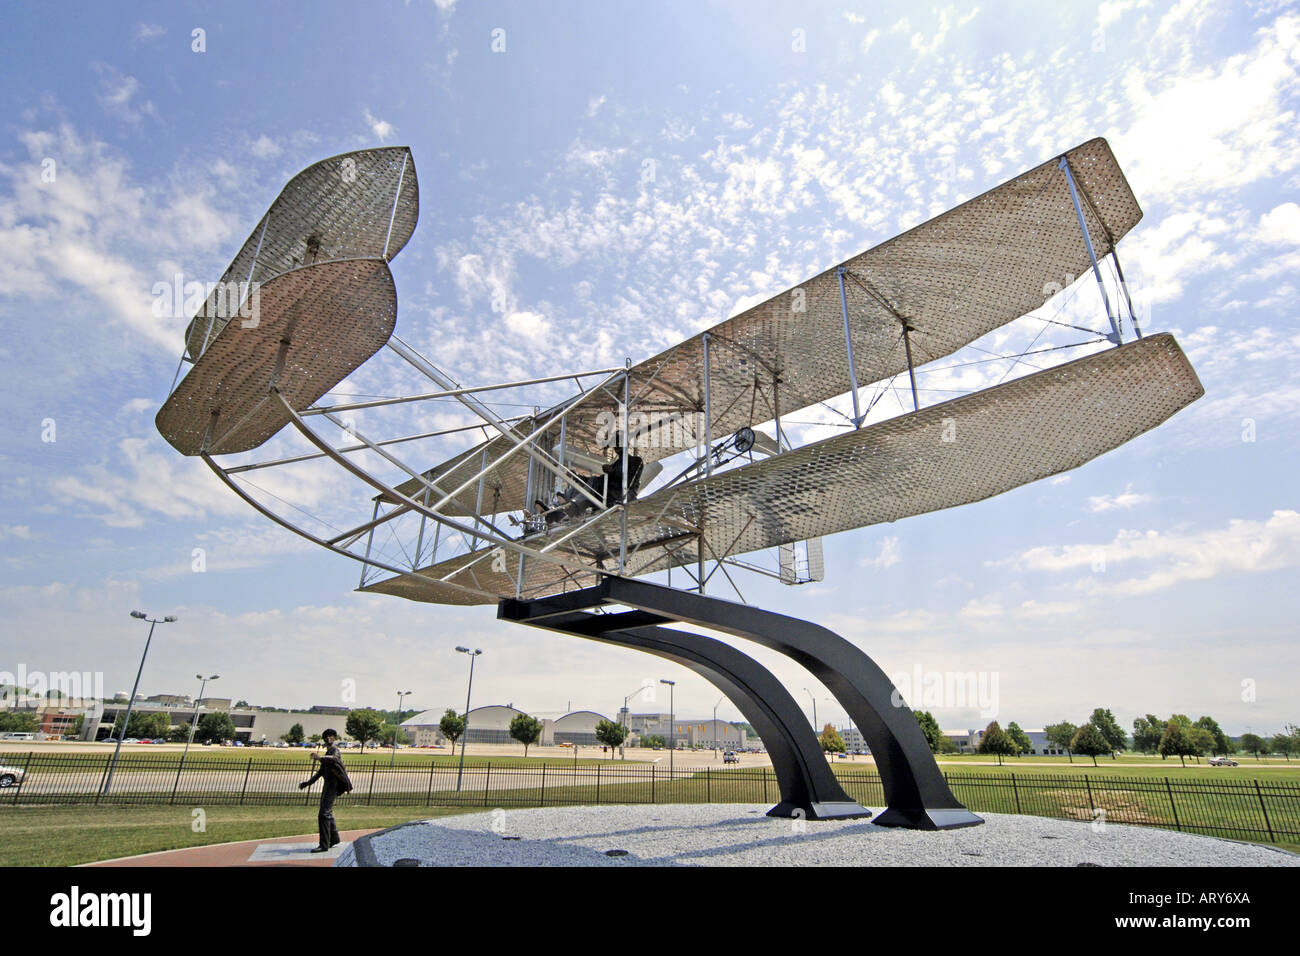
195 722
397 723
672 725
814 700
715 725
464 733
627 717
126 721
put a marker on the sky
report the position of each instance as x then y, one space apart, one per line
618 177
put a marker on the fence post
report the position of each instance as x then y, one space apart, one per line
1088 783
541 800
652 783
23 779
708 784
765 785
1016 791
108 761
370 794
243 792
597 783
487 779
1267 822
1172 805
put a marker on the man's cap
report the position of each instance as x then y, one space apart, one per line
330 732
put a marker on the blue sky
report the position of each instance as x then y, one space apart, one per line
782 138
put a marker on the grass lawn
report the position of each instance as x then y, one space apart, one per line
65 836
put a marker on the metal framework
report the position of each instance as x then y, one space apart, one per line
542 519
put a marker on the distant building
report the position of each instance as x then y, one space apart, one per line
689 733
853 740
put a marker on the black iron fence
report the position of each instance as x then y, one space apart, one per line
1238 809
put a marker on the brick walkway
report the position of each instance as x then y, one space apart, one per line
276 851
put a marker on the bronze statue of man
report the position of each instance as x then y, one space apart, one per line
336 779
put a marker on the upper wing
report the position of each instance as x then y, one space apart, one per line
953 279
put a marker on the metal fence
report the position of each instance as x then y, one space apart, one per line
1238 809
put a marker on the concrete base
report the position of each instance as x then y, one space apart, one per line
928 819
839 810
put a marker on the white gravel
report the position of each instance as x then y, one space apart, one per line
740 835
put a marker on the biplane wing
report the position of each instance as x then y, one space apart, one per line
314 270
949 280
944 455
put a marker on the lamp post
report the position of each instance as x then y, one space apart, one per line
397 724
814 700
627 717
126 721
464 734
672 725
195 722
715 725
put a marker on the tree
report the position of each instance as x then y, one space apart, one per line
294 736
929 727
242 705
1109 728
364 724
390 733
214 728
1019 738
653 740
1176 741
995 741
1221 745
831 740
452 726
1062 736
18 723
145 726
610 734
946 746
1146 734
1202 741
1091 742
77 726
314 739
1252 744
526 730
179 734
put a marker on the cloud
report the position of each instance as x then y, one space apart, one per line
144 32
382 129
888 555
1280 225
594 104
1098 504
264 147
117 92
1244 546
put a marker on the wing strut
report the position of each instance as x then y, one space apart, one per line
1087 241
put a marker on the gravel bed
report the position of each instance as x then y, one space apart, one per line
740 835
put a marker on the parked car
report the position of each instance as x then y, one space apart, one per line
10 776
1222 762
730 756
131 740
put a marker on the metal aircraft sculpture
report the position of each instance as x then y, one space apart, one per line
683 460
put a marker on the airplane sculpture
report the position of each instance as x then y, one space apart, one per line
683 460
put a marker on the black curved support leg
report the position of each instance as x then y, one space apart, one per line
808 786
916 794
